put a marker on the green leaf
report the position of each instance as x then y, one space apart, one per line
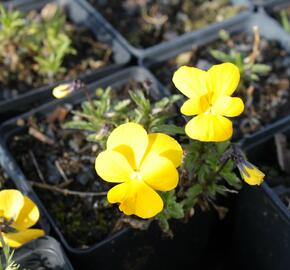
221 56
285 20
222 146
163 223
194 191
172 208
169 129
192 196
261 69
121 105
81 125
232 179
254 77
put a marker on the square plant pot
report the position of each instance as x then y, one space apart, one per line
174 41
80 16
195 51
44 253
262 220
128 248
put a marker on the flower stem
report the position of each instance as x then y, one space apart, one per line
86 91
2 240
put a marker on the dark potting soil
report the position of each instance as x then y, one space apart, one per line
4 180
90 55
266 102
145 23
67 162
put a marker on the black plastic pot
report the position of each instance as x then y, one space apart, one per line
143 54
127 249
262 221
79 14
44 253
268 28
268 4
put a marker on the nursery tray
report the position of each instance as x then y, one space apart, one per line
143 54
128 248
79 13
262 220
44 253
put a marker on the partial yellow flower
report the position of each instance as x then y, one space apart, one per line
141 163
250 173
62 90
209 94
17 214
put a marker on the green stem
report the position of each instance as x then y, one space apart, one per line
3 249
284 20
86 91
2 240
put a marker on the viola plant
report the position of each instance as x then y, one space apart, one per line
18 214
162 170
43 39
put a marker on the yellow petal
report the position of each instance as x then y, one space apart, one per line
131 140
228 106
11 203
18 239
190 81
113 167
28 216
164 146
62 90
223 79
209 128
253 176
159 173
195 106
118 193
142 201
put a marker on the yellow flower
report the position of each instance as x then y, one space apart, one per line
62 90
17 214
141 163
209 94
250 173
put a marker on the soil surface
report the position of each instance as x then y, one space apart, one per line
91 55
267 100
145 23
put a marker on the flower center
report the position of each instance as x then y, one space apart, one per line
5 225
209 110
136 176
